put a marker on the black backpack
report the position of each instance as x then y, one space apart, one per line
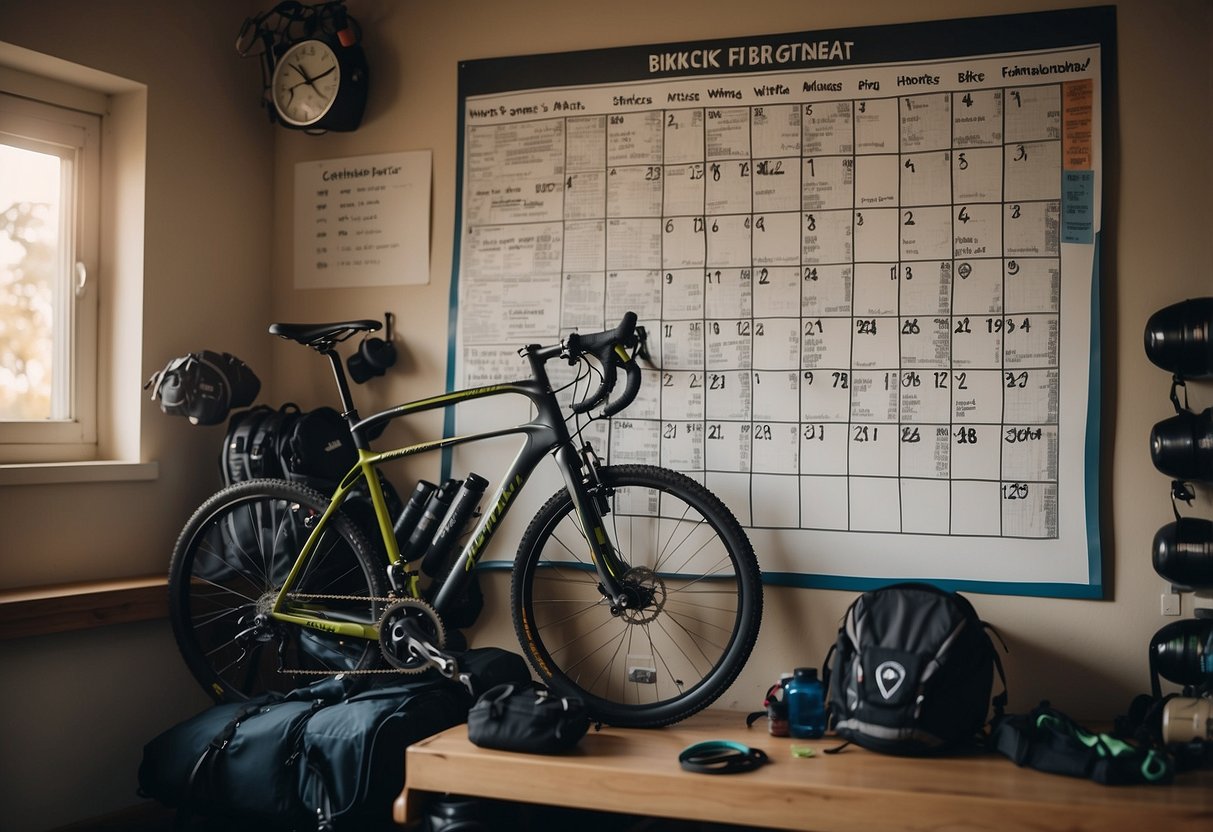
204 386
913 672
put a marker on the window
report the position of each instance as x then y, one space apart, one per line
49 205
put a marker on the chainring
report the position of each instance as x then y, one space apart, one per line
393 640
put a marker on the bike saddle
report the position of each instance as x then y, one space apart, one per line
316 334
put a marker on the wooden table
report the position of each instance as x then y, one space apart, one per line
636 772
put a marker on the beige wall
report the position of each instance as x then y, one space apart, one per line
218 268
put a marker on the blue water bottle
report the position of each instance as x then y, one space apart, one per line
806 704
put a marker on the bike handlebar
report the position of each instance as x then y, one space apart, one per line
610 347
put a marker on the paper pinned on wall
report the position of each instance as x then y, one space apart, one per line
363 221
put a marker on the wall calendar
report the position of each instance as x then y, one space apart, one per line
868 264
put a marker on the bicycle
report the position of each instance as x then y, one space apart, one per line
648 619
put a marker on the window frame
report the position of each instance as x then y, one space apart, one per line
76 134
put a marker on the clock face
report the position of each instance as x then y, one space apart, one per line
306 80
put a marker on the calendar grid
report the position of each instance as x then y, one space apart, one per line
706 251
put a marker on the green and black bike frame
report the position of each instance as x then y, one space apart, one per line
546 433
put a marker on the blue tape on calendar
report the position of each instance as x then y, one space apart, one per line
1078 206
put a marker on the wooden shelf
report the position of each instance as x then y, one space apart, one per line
62 608
637 772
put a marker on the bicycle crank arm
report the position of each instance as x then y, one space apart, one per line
408 635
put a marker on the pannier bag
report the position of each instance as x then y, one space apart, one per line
204 386
514 717
912 672
327 756
313 447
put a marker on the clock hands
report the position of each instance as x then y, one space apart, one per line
310 81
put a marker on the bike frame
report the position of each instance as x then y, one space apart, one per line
546 433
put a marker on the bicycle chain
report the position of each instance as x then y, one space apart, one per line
367 671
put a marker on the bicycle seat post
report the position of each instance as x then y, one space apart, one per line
348 411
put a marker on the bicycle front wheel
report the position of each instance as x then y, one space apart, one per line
695 599
231 559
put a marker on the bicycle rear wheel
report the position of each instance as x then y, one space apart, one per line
231 559
696 599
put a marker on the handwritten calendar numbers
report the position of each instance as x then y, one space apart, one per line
977 118
876 126
1032 171
775 240
776 290
727 446
682 445
926 122
925 397
1033 284
926 233
728 343
977 175
776 185
728 187
924 451
976 452
1030 452
853 305
1032 229
825 290
1033 113
1032 396
825 396
776 447
826 182
1029 509
775 395
926 342
828 128
682 394
977 230
584 194
777 343
729 292
825 237
682 138
874 396
925 178
728 240
728 395
1034 341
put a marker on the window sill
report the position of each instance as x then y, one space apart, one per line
51 473
36 611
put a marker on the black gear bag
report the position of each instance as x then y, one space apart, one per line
327 756
204 386
912 672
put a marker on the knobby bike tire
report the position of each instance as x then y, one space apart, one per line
695 572
229 561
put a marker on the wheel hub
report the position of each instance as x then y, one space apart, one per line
644 595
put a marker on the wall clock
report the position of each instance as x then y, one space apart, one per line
320 84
